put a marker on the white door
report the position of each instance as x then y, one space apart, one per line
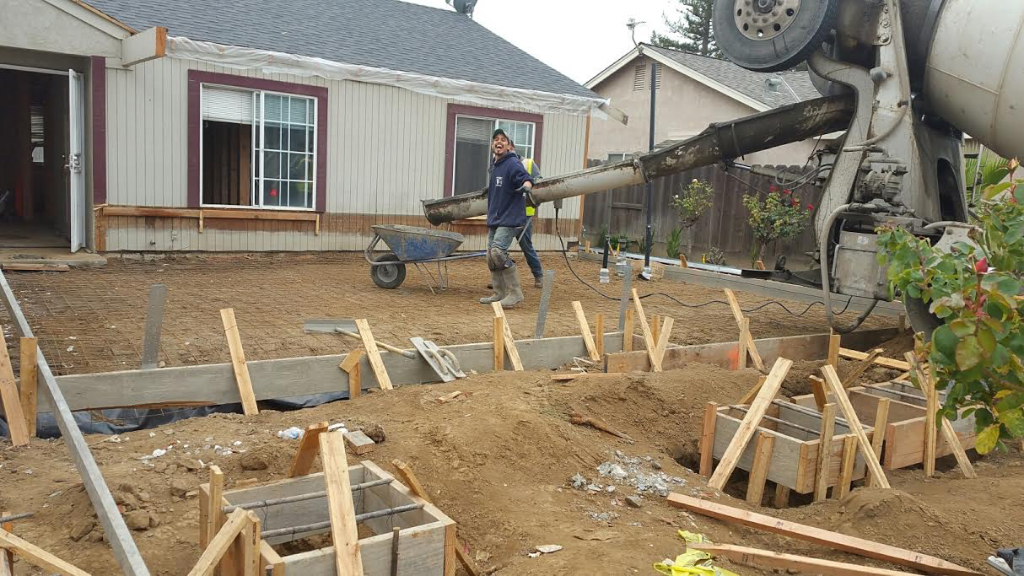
76 158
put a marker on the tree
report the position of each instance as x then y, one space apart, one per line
691 32
694 200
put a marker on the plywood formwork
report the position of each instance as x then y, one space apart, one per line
794 455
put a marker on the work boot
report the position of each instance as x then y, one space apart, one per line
498 283
538 281
513 289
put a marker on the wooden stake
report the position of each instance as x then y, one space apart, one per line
833 348
931 408
752 393
250 543
759 265
271 560
6 556
878 434
759 470
499 344
373 353
245 392
341 509
10 399
958 449
666 333
510 342
861 367
881 361
656 327
791 562
828 426
220 543
599 335
37 556
846 468
781 496
308 448
750 422
29 382
214 516
648 337
737 314
682 261
588 338
352 366
741 357
707 439
818 389
627 333
853 422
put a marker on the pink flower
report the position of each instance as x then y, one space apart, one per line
810 206
787 192
772 188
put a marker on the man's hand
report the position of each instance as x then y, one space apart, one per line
526 187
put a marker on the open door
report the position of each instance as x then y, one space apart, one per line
76 106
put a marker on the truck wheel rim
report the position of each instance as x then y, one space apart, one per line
765 19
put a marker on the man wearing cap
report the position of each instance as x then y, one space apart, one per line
508 183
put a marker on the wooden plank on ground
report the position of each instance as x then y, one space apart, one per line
352 366
649 342
707 439
245 392
861 367
834 540
759 471
881 360
750 422
846 468
373 353
29 383
828 426
359 442
737 314
853 422
791 562
588 338
579 375
10 399
220 543
510 342
37 556
344 533
878 433
308 448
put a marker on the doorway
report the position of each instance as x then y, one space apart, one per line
34 149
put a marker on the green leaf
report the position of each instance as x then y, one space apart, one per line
1014 422
945 341
1000 356
1015 233
962 327
987 439
968 353
995 326
987 340
1011 401
995 190
994 174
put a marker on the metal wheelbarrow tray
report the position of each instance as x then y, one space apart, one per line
413 245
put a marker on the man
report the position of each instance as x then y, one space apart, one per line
506 213
525 235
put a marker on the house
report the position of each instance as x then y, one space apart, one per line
199 125
691 92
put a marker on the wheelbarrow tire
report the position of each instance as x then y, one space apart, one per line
389 276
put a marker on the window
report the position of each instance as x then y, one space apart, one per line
613 158
258 148
473 148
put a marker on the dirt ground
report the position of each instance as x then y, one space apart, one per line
91 320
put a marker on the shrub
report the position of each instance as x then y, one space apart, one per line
779 215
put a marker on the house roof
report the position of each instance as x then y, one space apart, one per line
386 34
739 83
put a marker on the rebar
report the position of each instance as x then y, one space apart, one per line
13 517
327 524
300 497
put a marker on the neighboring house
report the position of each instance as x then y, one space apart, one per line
252 125
691 92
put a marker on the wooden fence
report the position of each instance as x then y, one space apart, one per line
724 225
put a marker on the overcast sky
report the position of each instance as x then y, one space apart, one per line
576 37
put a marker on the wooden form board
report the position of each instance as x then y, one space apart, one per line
828 427
724 354
283 378
834 540
798 564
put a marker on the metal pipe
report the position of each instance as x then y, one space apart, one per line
13 517
300 497
648 233
777 420
327 524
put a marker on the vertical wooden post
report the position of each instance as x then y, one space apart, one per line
10 399
707 439
352 366
741 359
599 335
759 470
499 344
846 468
931 408
834 341
781 496
341 509
828 426
250 536
627 332
214 516
878 435
154 323
245 392
29 382
656 327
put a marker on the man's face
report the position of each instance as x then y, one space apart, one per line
499 145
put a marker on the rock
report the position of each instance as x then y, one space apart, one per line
191 464
160 467
81 529
578 481
95 535
137 520
656 465
144 496
376 433
634 501
548 548
613 470
126 499
153 521
180 487
171 469
253 461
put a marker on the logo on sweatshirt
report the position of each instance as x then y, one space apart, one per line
497 180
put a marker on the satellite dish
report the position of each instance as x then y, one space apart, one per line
463 6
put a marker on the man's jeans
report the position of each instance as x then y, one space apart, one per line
501 237
526 243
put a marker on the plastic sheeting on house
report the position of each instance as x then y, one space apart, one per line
473 92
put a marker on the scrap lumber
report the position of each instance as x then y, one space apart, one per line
881 360
123 546
737 314
359 442
351 365
344 533
752 393
853 422
499 343
410 480
791 562
449 397
308 448
599 335
663 336
37 556
220 543
29 383
581 420
846 468
34 267
707 439
878 434
862 367
588 338
510 342
750 422
10 399
828 426
154 324
759 470
373 353
627 331
649 342
834 342
827 538
249 408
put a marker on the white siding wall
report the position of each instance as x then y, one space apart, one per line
385 155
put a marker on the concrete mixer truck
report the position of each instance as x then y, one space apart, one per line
905 80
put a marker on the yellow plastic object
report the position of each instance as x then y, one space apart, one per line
692 562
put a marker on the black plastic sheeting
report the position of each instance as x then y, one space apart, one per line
121 420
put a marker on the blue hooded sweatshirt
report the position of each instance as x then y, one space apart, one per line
505 206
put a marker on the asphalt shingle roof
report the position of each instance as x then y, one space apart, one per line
379 33
750 84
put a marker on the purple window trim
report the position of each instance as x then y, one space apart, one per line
98 71
196 78
498 114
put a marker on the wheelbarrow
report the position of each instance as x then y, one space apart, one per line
417 246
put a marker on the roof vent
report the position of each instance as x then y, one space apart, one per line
463 6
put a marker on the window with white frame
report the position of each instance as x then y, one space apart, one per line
258 149
473 148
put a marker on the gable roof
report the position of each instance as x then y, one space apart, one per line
386 34
738 83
